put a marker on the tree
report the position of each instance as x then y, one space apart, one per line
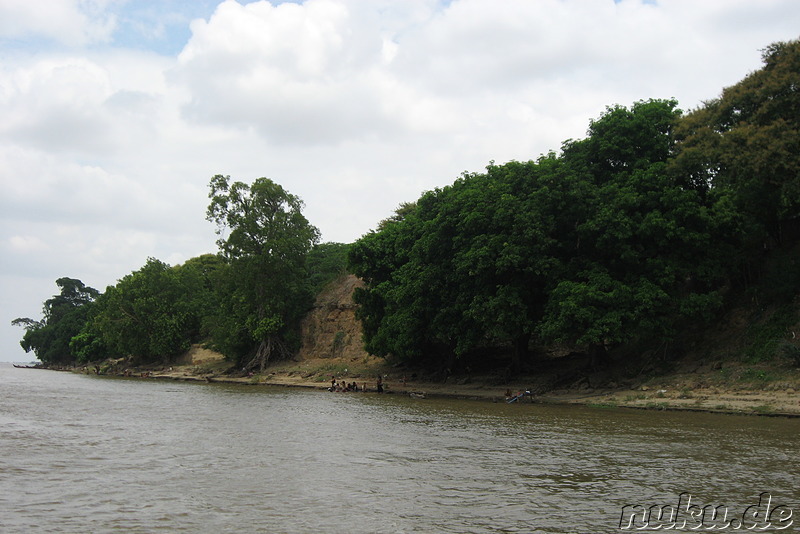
201 277
593 247
64 317
267 290
389 324
640 258
325 262
148 314
744 148
462 269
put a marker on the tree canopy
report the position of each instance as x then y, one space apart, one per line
632 233
265 238
64 315
150 313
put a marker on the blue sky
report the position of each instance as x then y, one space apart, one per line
116 114
160 26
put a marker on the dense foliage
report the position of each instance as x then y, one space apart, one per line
151 314
266 289
326 262
249 297
628 234
64 317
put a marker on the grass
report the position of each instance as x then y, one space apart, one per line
321 371
603 405
756 375
766 339
764 409
338 342
631 398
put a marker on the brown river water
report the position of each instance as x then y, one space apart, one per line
85 454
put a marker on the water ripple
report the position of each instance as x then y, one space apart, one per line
83 454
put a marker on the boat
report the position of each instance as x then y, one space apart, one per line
20 366
519 396
417 395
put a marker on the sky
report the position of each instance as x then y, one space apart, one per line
116 113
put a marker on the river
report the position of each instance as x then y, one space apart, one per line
85 454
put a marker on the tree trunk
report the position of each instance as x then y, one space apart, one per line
450 364
262 355
519 353
598 357
266 349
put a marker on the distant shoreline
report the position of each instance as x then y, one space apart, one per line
739 399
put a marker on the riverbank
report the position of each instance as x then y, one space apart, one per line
721 389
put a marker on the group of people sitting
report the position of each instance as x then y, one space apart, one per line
345 386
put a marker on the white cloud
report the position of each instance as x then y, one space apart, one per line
297 74
69 22
53 104
26 243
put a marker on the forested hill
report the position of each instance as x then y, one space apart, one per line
631 242
652 226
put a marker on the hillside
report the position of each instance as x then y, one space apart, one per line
330 329
713 374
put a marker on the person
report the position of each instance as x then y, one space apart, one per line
380 384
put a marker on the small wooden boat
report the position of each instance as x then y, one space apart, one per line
25 366
519 396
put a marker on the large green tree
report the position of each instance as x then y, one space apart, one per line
265 238
640 249
593 247
326 261
202 277
64 316
150 315
463 269
743 149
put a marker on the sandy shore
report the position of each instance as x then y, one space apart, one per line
775 399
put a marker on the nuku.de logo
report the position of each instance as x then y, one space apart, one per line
688 516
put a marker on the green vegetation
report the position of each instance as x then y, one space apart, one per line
265 286
632 235
756 375
325 262
618 246
64 317
603 405
245 301
767 338
764 409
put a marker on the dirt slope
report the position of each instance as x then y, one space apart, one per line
330 330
